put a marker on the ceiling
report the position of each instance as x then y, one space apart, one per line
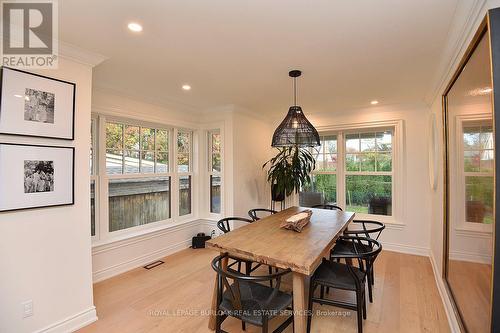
240 52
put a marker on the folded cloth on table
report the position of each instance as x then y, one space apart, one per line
297 221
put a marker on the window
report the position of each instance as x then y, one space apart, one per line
138 172
133 149
324 177
184 169
354 169
138 201
368 172
214 170
137 167
478 169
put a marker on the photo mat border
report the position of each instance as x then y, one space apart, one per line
72 177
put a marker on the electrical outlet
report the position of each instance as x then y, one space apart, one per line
27 308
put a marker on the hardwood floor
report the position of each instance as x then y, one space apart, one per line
471 281
176 296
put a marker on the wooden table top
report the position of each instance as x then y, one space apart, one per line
265 242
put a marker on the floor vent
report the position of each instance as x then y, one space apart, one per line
154 264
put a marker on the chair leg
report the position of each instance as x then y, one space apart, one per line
218 322
243 325
270 270
239 266
248 267
265 327
364 305
310 306
370 288
359 311
372 273
322 292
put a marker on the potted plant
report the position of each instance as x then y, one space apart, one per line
289 170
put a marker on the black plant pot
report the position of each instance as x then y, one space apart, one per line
275 195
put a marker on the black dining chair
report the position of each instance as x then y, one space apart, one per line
346 276
225 226
247 299
367 228
331 207
254 213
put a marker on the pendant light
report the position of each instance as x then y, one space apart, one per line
295 129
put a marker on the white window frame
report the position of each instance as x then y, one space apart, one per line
322 171
183 174
103 235
367 173
94 173
211 173
398 165
460 174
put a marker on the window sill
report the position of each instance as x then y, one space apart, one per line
140 235
475 230
389 221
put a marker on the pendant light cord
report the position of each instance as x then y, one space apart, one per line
294 91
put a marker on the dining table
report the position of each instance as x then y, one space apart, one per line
265 242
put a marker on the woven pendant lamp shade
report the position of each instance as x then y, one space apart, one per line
295 129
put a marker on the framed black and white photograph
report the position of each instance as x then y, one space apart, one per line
35 176
36 105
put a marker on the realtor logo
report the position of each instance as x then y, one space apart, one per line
29 34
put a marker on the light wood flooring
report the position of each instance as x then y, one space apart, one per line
471 286
176 296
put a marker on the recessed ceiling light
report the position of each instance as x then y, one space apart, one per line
19 96
374 102
186 87
135 27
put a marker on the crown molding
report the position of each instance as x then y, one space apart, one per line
165 103
457 43
80 55
121 114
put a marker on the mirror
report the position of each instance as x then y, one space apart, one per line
470 183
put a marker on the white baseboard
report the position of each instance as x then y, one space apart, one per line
448 307
470 257
139 261
407 249
72 323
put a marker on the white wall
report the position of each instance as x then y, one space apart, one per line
45 253
412 236
251 149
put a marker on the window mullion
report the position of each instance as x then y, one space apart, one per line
102 221
341 170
